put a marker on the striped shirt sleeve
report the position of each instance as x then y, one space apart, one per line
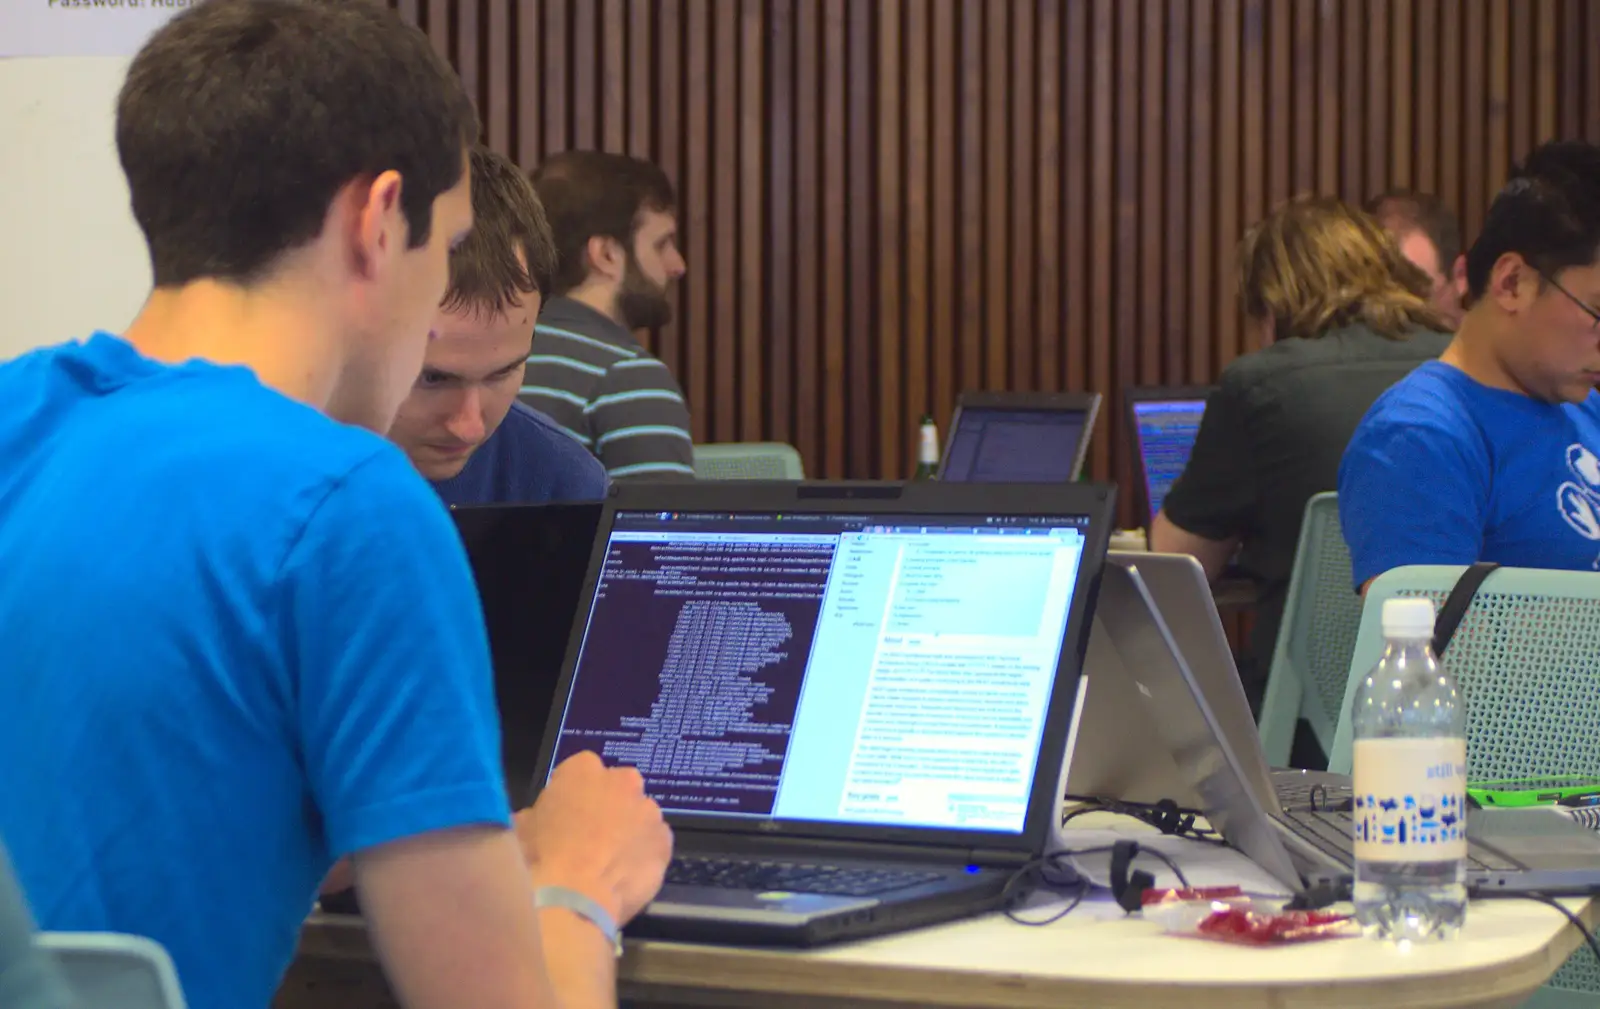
640 422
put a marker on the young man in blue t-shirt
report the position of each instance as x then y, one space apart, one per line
1493 451
241 636
462 425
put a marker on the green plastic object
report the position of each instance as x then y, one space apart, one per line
1527 658
1523 792
1321 615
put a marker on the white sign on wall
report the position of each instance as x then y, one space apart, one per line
81 27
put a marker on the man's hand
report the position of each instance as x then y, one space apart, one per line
594 830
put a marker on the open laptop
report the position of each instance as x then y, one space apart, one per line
1162 424
1110 757
850 700
1019 437
529 562
1510 851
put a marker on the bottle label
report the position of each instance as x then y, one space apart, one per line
1410 800
928 449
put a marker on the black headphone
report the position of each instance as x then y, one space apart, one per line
1128 888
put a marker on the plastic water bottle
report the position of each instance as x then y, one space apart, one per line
1410 786
927 450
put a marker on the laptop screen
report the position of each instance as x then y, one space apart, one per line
1010 445
1166 431
844 669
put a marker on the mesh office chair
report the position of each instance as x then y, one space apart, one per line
1527 657
1321 615
748 461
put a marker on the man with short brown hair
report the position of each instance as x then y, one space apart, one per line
1429 235
461 425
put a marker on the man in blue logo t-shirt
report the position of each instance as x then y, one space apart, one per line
1493 451
241 639
462 425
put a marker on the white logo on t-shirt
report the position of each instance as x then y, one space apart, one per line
1579 500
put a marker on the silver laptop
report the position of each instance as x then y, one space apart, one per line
1508 850
1111 756
850 700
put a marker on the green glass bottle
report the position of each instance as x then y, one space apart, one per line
927 450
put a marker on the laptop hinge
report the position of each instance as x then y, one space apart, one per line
815 847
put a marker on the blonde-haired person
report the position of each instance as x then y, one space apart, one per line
1342 316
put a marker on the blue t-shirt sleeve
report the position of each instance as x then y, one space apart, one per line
395 697
1412 493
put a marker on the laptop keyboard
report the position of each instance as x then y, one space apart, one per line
1332 833
1304 795
792 877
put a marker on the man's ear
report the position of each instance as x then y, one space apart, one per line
1513 284
605 257
380 231
1458 275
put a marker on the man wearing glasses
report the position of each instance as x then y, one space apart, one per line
1492 452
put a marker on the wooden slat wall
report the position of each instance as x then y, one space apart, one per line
887 201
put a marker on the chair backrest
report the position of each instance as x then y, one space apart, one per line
107 970
748 461
1321 616
28 976
1527 658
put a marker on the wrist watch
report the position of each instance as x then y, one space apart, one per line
583 907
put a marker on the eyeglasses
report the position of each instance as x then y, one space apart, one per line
1588 309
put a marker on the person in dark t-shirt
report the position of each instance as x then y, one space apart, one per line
1344 316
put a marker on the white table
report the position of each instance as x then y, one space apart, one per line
1095 957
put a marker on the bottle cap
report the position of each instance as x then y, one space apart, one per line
1410 617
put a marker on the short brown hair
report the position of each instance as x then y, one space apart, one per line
1316 264
486 272
1402 211
597 193
240 120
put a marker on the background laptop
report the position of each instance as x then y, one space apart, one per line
1508 850
1019 437
851 700
529 562
1162 424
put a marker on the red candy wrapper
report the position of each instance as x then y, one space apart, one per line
1257 928
1237 919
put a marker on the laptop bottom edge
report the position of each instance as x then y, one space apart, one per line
831 920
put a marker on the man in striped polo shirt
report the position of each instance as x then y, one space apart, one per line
613 218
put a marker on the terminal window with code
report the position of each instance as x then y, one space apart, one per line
1166 432
833 668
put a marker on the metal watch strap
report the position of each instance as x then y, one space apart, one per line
577 903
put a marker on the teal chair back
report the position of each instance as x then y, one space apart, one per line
106 970
1527 658
755 460
1320 618
29 978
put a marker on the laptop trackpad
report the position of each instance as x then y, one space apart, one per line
678 901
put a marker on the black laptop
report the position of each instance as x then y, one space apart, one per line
1019 437
851 700
529 562
1510 851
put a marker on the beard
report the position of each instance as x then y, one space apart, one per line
641 304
